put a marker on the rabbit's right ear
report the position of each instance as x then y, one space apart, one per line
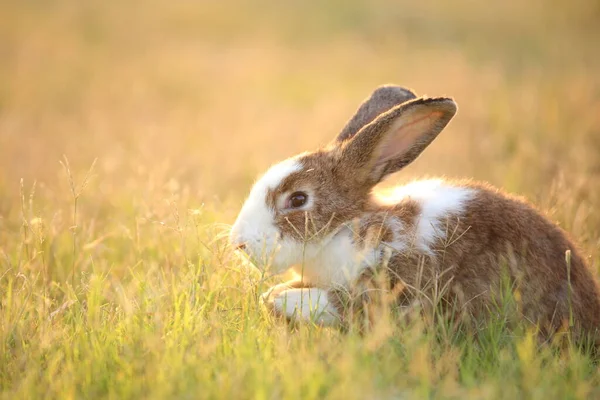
383 99
394 139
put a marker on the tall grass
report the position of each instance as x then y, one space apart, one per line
116 281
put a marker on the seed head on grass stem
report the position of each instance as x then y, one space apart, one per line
75 194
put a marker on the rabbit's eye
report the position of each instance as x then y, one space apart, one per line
297 200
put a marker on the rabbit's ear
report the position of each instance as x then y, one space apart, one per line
395 139
382 99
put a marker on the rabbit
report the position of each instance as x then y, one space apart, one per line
318 215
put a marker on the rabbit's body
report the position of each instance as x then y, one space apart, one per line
317 214
466 246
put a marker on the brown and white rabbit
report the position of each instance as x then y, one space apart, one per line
317 214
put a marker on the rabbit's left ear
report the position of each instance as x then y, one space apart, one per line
381 100
395 138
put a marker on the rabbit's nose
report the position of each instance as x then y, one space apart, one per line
235 239
240 246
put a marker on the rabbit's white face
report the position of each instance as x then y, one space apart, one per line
256 230
294 209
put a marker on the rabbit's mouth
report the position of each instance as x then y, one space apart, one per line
268 256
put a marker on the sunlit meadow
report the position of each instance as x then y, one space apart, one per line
131 131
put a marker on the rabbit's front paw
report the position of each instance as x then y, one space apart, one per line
269 296
306 304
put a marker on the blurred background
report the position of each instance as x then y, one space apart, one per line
188 101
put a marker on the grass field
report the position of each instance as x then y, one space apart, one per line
131 131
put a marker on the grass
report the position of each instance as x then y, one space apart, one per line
115 277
